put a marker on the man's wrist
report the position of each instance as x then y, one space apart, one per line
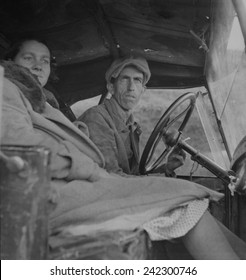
169 172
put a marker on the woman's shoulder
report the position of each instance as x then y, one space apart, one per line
10 91
9 84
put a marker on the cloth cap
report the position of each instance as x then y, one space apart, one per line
119 64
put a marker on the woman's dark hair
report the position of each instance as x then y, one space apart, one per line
14 49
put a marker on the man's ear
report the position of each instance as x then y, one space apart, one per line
144 89
110 88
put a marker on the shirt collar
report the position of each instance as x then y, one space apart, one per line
126 116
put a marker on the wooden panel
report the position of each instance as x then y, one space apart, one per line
159 47
24 203
83 31
119 245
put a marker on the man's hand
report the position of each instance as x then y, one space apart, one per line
170 137
175 159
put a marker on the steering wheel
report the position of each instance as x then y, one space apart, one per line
147 163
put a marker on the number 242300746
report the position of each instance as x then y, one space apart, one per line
170 270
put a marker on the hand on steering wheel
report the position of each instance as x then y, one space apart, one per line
162 132
175 159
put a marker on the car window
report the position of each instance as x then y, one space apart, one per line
81 106
226 72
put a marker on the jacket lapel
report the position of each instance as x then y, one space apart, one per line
125 123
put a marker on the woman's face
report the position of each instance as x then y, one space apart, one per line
36 57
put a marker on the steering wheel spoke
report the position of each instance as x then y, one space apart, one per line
158 161
151 163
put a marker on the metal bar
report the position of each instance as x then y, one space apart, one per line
209 130
221 130
228 198
107 34
1 96
217 170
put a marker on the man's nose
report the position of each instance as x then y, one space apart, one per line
131 85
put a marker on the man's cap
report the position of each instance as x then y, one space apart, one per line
119 64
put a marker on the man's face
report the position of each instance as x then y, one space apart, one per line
128 87
36 57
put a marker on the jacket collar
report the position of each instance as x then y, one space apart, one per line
27 82
121 117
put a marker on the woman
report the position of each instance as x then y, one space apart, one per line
89 197
15 54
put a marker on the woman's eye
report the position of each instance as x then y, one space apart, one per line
46 61
27 58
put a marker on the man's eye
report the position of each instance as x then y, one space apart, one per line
139 81
123 80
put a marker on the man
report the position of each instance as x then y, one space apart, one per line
112 126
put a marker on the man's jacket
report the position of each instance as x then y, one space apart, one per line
116 134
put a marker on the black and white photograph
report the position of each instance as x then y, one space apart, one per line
123 134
